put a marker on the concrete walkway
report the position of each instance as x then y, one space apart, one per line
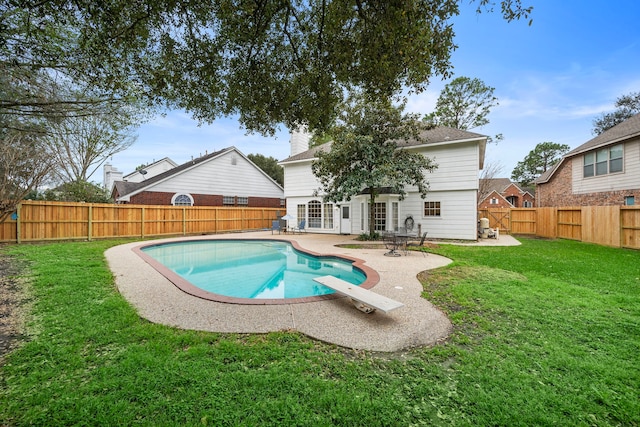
336 321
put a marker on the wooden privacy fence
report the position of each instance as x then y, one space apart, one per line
617 226
43 221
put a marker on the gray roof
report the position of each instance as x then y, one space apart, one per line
626 130
432 136
495 184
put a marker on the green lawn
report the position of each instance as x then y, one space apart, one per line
545 333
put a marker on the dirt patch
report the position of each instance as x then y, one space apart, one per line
12 303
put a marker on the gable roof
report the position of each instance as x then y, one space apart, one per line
433 136
495 184
125 188
497 194
628 129
150 165
622 131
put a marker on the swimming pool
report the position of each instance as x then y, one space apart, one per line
249 271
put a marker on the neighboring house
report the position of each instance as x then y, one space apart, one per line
448 212
224 178
502 193
151 170
603 171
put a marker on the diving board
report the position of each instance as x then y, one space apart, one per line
364 299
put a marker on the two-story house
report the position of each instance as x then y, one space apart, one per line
448 212
502 193
603 171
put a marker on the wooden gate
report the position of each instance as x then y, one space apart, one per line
498 218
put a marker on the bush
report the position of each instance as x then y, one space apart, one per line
368 237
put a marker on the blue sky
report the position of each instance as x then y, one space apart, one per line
551 79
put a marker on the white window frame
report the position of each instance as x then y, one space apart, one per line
176 202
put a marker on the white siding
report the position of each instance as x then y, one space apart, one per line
628 179
152 170
299 180
454 183
457 166
458 219
229 174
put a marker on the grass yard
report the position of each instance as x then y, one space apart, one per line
545 333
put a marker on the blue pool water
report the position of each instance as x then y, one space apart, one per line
255 269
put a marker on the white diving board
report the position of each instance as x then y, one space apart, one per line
364 299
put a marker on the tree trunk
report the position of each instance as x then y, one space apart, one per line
372 214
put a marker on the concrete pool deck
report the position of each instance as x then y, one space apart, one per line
336 321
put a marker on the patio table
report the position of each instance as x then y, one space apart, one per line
395 240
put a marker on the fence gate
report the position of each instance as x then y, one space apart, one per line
499 218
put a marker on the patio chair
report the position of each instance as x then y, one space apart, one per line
391 242
275 225
300 228
420 243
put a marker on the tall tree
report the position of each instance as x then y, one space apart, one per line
270 62
626 106
537 162
25 164
364 154
80 145
464 103
269 165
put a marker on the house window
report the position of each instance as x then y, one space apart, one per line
588 165
302 213
243 201
380 213
603 161
328 215
494 201
615 159
182 200
527 204
630 200
228 200
315 214
394 215
431 208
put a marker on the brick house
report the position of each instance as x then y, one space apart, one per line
502 193
223 178
601 172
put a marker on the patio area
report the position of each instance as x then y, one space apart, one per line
336 321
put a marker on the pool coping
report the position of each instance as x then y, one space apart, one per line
336 321
372 276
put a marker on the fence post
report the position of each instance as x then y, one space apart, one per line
184 221
142 222
18 227
90 224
